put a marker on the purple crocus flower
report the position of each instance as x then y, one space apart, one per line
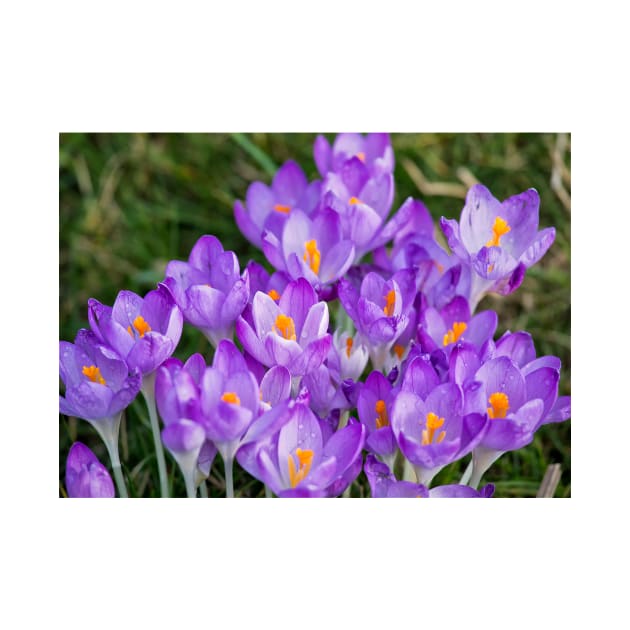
434 432
379 310
383 484
348 356
500 240
442 329
267 208
539 372
208 288
311 248
143 331
374 407
292 333
99 384
373 150
515 403
301 463
177 393
86 477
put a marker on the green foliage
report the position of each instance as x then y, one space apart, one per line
129 203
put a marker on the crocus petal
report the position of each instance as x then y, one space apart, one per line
420 377
205 305
247 227
561 411
322 154
289 182
205 252
282 351
543 384
315 324
512 433
273 250
227 358
539 247
312 356
252 342
126 308
276 385
337 261
150 351
183 436
517 346
296 301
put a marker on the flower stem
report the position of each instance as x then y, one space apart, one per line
229 480
148 391
268 494
203 490
109 429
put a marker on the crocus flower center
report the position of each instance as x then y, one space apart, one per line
353 201
285 327
273 294
399 350
361 156
499 405
140 325
433 424
454 333
232 398
312 255
349 343
390 300
278 207
305 459
93 373
499 228
381 418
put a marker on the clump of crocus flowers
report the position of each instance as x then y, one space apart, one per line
360 354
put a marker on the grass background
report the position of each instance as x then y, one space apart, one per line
129 203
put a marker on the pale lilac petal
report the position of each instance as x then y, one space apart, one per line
245 224
337 261
539 247
289 183
322 154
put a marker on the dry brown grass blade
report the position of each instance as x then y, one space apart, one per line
559 170
441 189
550 482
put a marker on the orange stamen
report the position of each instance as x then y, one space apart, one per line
349 343
312 255
454 333
353 201
390 300
280 208
273 294
231 397
361 156
382 420
499 405
94 374
399 350
499 228
305 459
285 327
433 424
141 326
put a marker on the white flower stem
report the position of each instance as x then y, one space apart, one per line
268 494
148 391
466 476
203 490
108 430
229 480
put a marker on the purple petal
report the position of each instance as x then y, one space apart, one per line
517 346
539 247
296 301
248 228
561 411
288 183
322 154
183 436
